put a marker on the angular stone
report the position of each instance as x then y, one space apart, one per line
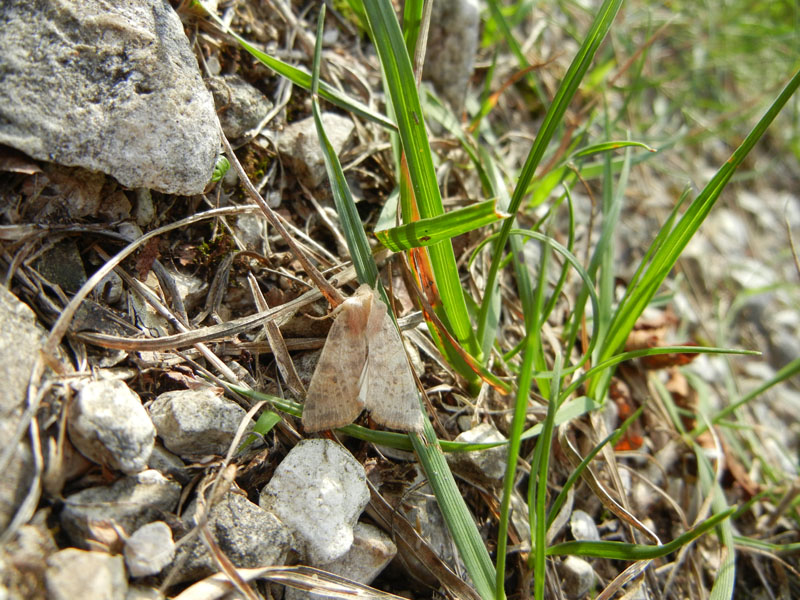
318 491
73 573
196 422
149 549
371 551
577 577
20 341
487 464
130 502
241 106
108 425
247 534
300 146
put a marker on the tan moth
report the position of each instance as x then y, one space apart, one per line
363 365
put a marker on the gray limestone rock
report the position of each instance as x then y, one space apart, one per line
577 577
74 573
23 560
195 422
299 146
248 535
130 502
107 86
318 490
149 549
108 425
371 551
241 107
488 464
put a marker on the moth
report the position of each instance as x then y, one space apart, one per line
363 365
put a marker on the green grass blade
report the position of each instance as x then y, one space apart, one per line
455 512
662 261
543 447
552 120
515 437
634 552
500 22
608 147
611 440
412 22
427 232
400 441
352 227
399 79
725 581
787 371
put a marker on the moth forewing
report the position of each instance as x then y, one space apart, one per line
333 394
391 393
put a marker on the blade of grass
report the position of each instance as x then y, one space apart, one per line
790 370
356 238
634 552
399 79
553 118
400 441
427 232
662 261
544 444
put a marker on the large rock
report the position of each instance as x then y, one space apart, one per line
108 86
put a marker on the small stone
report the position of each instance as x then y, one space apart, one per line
129 502
74 573
300 146
196 422
422 509
62 265
247 534
149 549
23 559
487 464
371 551
240 106
108 425
88 84
165 462
109 290
583 526
318 490
192 289
250 229
577 577
144 210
